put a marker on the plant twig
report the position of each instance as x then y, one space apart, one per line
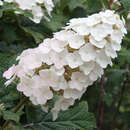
119 104
15 110
100 112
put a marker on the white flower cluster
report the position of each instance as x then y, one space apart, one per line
68 63
34 6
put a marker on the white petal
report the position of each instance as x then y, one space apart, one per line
10 72
99 44
102 59
100 31
115 46
74 60
81 29
87 53
76 41
87 67
109 51
57 45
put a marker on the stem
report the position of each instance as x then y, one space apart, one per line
22 101
119 104
100 113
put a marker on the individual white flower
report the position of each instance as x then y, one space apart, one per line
115 46
102 59
10 72
79 81
64 35
79 25
45 46
21 70
96 72
32 61
116 36
26 53
99 44
73 93
76 21
93 20
46 58
120 25
108 17
100 31
62 84
74 60
81 29
57 45
42 94
37 14
26 85
59 72
59 59
110 51
49 77
76 41
61 104
87 53
87 67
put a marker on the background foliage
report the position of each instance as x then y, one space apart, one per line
108 98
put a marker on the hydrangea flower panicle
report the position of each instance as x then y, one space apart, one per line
65 65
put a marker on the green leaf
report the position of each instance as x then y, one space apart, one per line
26 13
19 127
31 29
106 3
6 7
56 22
10 35
93 6
11 7
9 95
36 35
126 4
75 118
11 116
75 3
